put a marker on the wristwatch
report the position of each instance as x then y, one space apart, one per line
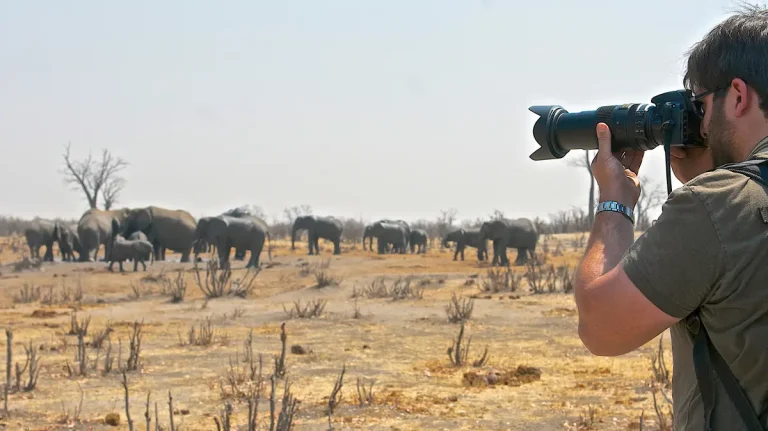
616 207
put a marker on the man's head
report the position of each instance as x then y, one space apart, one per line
728 71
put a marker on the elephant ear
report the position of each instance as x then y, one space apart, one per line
143 219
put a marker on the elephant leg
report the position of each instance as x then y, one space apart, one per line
135 265
110 266
253 262
310 243
224 251
144 265
185 255
337 246
121 266
503 254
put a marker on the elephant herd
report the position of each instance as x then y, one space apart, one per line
178 231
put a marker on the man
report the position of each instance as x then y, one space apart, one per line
708 250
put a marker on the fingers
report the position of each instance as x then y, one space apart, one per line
636 161
603 140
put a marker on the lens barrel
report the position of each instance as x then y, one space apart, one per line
634 126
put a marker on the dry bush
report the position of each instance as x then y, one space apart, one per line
72 417
135 346
334 400
357 314
364 396
565 278
323 277
660 383
214 283
500 280
218 282
540 277
31 364
27 294
97 341
139 289
313 308
399 290
459 310
241 288
204 335
459 354
175 288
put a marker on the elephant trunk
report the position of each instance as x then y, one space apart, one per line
293 237
269 246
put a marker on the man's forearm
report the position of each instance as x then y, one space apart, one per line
612 235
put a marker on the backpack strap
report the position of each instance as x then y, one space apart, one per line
707 361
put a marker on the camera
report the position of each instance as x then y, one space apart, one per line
672 118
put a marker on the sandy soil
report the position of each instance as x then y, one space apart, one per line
399 345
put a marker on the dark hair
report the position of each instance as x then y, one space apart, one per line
735 48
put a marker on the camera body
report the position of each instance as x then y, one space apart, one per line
672 117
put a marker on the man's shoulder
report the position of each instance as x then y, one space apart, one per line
721 189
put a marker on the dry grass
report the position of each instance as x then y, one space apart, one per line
537 373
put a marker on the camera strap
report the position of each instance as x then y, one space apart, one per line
707 361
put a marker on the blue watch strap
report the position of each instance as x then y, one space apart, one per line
616 207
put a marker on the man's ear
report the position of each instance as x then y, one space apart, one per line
742 97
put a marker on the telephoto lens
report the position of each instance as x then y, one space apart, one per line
671 117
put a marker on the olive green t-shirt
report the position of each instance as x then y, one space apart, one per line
709 249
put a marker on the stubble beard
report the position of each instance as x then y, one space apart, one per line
721 137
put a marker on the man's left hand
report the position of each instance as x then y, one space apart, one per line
616 173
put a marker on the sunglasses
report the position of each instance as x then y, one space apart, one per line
698 102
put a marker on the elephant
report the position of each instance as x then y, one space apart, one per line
518 233
141 236
389 233
368 232
40 233
242 233
238 213
123 249
95 229
464 238
329 228
166 229
69 241
418 238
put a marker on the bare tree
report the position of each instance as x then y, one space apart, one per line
652 194
586 162
95 176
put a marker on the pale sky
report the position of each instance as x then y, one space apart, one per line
370 109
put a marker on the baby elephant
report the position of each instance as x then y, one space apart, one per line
122 249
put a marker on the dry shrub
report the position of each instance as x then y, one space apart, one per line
459 310
399 289
312 309
539 276
218 283
459 354
203 335
27 294
500 280
175 288
323 277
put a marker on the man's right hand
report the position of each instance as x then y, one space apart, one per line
688 163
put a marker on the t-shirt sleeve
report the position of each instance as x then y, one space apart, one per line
677 261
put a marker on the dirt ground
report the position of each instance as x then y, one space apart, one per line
398 345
